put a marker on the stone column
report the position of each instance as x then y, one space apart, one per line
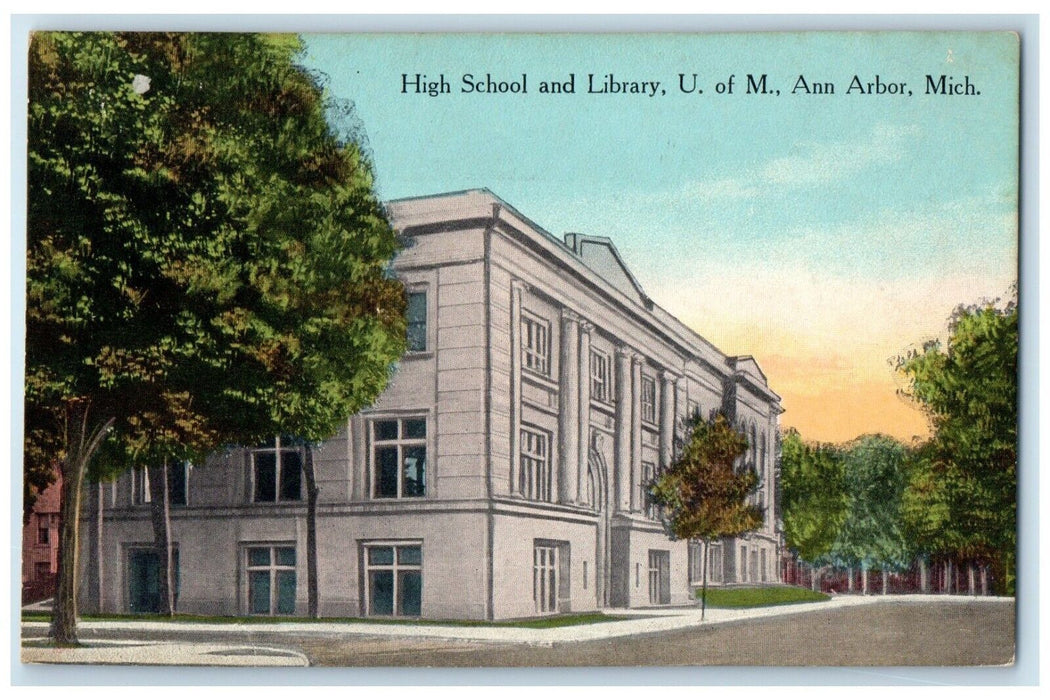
517 290
568 406
584 419
667 418
681 404
624 402
636 433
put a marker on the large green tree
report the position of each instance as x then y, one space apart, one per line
207 262
703 494
813 496
963 495
874 479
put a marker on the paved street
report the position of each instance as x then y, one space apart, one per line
891 634
899 631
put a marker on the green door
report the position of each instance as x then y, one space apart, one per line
144 573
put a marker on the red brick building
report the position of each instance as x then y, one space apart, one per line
40 545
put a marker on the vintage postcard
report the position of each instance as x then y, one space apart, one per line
521 349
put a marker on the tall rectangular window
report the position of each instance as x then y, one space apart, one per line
648 400
535 472
714 563
140 486
178 483
416 316
535 344
394 579
271 580
648 474
601 387
277 472
399 457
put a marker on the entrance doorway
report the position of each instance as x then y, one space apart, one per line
144 572
659 577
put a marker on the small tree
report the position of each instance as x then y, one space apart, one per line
703 493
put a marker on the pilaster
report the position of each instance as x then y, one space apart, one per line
636 433
624 403
517 291
568 406
584 416
667 417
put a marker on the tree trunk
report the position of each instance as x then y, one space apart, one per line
948 577
984 579
312 588
864 579
849 573
94 568
924 581
80 445
970 579
703 588
160 513
885 580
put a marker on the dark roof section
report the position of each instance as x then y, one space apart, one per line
599 253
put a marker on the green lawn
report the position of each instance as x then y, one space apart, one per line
759 597
531 623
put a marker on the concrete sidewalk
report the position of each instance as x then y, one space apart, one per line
155 653
641 622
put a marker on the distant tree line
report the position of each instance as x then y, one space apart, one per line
951 501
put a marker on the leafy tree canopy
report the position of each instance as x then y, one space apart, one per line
703 493
206 257
874 480
813 496
963 497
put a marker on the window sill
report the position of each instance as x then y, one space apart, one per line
418 355
540 379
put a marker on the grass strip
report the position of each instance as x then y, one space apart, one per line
760 597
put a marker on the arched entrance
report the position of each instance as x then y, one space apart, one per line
598 487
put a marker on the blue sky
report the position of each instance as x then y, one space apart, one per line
822 233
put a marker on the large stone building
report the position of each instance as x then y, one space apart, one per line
499 475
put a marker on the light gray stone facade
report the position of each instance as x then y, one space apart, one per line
500 474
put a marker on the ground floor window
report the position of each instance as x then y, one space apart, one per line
550 576
765 570
696 562
714 563
394 579
754 565
144 572
743 565
271 580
